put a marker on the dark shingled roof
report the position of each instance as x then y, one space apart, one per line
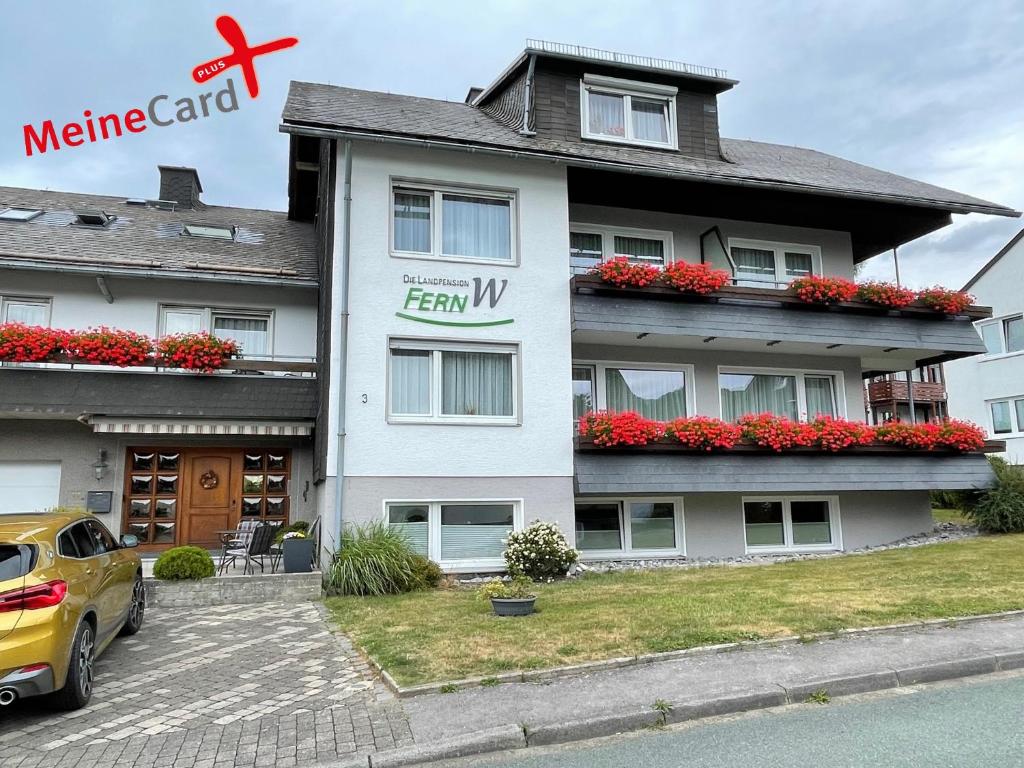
267 246
745 162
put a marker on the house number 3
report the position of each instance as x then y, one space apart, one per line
365 398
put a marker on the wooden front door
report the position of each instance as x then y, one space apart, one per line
209 498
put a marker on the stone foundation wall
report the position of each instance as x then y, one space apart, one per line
232 590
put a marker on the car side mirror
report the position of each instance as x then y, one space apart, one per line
129 540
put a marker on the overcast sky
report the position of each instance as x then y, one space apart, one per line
931 90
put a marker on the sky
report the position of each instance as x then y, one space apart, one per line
929 89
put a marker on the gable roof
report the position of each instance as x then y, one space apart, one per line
335 109
147 240
992 262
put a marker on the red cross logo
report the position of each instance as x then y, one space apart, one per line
241 55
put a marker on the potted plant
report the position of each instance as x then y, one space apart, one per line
514 597
297 551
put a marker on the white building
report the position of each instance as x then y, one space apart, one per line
460 350
989 389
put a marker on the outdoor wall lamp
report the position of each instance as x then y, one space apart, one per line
100 466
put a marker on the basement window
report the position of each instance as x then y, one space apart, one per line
19 214
214 233
92 218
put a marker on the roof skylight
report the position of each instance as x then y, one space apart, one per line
19 214
216 233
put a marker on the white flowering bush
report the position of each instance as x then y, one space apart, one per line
539 552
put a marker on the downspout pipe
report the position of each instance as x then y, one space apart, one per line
527 95
343 268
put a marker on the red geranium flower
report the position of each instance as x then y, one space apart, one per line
704 433
944 300
817 289
701 279
621 272
20 343
885 294
108 346
777 432
195 351
627 428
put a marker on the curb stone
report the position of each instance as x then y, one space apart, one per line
555 673
519 736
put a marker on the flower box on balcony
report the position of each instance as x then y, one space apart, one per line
665 445
785 299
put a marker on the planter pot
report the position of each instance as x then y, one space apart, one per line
520 606
298 555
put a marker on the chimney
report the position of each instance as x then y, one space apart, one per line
180 185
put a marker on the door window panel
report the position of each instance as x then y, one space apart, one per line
652 525
810 522
744 393
655 394
598 526
583 397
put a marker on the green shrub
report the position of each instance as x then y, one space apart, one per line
184 563
539 551
426 574
1000 509
299 525
373 559
517 588
948 499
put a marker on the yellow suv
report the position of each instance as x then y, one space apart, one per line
67 587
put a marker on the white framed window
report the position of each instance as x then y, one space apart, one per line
252 330
643 527
1002 335
795 394
590 244
453 382
27 310
1007 416
791 523
661 392
628 112
460 534
453 223
765 264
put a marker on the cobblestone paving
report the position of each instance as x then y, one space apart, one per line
250 685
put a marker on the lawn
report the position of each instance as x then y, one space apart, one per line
449 634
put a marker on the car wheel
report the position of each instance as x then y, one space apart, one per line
137 609
77 688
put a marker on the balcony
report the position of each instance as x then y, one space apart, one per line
672 469
889 391
747 319
264 391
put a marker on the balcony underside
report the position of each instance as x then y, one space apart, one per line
69 394
618 473
883 342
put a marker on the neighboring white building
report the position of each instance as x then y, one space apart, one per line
989 389
460 350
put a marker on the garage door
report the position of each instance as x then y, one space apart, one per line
28 486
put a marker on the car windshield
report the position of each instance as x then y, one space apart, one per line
15 560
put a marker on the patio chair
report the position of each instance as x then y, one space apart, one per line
252 553
240 540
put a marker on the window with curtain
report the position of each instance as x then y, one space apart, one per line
410 381
444 223
764 264
744 393
413 521
798 264
583 394
250 333
655 394
183 321
586 250
476 384
641 118
475 531
27 311
452 382
412 221
821 397
641 249
476 227
754 266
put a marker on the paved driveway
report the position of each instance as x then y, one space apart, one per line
254 685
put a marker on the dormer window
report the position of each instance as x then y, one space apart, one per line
92 218
628 112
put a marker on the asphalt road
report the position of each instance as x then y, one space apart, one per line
973 722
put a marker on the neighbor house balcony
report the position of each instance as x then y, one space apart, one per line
888 390
754 319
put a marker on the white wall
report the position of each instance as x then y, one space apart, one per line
76 302
537 299
972 383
